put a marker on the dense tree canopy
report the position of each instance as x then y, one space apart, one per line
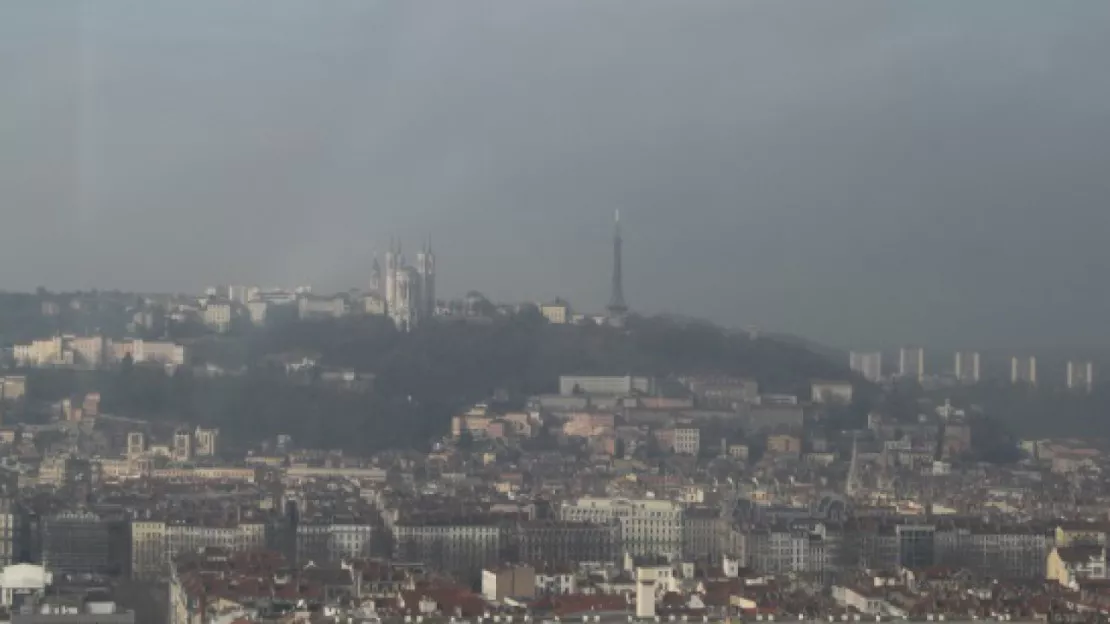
424 376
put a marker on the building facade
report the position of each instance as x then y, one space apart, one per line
869 364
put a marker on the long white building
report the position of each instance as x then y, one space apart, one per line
648 527
95 351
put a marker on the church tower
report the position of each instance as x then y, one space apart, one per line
406 287
390 283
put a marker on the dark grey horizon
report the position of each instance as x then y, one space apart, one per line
865 174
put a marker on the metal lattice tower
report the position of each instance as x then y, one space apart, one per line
617 307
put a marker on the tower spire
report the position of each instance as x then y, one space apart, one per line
617 307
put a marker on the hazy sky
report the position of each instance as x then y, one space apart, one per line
861 173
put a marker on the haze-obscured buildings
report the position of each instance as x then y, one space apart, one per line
1023 370
911 363
869 364
967 367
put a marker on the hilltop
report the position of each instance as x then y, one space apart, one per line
425 376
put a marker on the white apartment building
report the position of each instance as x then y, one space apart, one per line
257 309
687 441
217 316
321 542
648 527
154 543
309 307
612 386
911 363
1081 376
205 441
557 312
46 352
868 364
87 351
967 367
93 351
1023 370
145 351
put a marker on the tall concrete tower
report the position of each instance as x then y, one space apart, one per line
426 268
618 309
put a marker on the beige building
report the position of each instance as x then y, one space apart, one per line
557 312
148 549
115 469
87 351
217 315
48 352
510 581
13 387
1067 565
203 473
148 352
155 543
784 445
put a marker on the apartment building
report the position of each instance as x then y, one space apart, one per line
570 385
205 441
217 315
869 364
313 307
647 527
967 367
459 544
687 441
154 543
559 543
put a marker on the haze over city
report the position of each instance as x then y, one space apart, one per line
857 173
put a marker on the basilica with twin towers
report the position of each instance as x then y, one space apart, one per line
409 292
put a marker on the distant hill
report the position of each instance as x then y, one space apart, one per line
524 354
426 376
831 353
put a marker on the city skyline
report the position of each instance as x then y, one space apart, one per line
163 147
845 363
